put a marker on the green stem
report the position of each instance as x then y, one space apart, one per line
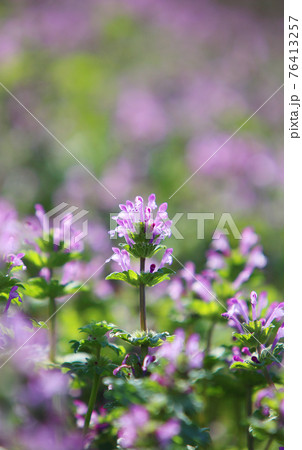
142 299
266 372
52 329
249 411
93 395
269 443
209 338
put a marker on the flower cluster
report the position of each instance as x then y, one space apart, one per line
251 255
62 236
142 229
180 355
227 269
238 312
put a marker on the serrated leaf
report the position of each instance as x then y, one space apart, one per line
151 279
129 276
138 338
146 278
91 366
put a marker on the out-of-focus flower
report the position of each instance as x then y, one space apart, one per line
130 425
181 354
141 116
10 229
167 431
15 260
39 226
270 401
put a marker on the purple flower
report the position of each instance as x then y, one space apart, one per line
13 294
15 260
221 243
167 431
171 350
193 352
122 257
249 239
40 229
46 274
141 116
182 354
130 425
137 220
147 361
124 365
238 313
167 258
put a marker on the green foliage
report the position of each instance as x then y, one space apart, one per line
256 335
129 276
269 426
7 282
143 247
40 289
96 339
210 310
91 366
162 402
143 338
146 278
50 256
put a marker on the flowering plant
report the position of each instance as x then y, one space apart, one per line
146 388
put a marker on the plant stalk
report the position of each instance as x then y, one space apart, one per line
93 395
249 411
142 299
52 329
269 443
209 338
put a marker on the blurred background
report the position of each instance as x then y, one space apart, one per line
142 94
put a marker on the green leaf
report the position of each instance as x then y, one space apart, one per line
96 338
40 289
37 288
6 283
256 334
129 276
34 261
39 324
146 278
90 367
247 365
60 258
211 310
138 338
151 279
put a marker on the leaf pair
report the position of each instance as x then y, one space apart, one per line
145 278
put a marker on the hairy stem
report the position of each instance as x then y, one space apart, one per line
142 299
52 329
249 411
93 395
